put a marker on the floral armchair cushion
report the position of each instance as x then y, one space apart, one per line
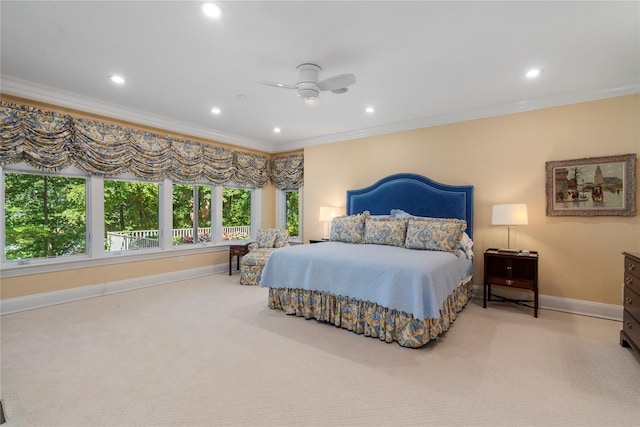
282 239
266 237
270 238
251 264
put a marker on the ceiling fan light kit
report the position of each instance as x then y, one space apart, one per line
312 102
309 85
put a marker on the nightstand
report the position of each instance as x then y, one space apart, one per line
318 240
512 270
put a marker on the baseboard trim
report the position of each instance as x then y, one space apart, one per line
15 305
567 305
30 302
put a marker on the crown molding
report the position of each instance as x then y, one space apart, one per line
520 106
24 89
29 90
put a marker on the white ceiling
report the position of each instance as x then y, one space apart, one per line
419 63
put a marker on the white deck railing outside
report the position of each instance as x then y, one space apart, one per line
142 239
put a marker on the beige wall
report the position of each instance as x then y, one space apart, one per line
268 206
13 287
504 158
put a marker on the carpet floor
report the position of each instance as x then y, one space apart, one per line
208 352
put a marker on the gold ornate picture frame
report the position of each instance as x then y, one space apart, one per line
594 186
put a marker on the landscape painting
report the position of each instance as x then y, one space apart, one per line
592 186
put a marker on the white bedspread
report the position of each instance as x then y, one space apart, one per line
413 281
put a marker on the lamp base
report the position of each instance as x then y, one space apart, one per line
326 230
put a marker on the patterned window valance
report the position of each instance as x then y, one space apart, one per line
44 140
51 141
287 171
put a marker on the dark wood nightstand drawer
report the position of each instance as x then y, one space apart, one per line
632 282
632 303
513 282
632 266
631 327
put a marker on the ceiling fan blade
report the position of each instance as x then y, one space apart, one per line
337 82
276 84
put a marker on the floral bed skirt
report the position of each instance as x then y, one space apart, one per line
370 319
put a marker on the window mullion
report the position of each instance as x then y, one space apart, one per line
216 214
95 216
166 214
256 211
2 229
196 213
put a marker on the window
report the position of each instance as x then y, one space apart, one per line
289 212
188 199
45 216
292 210
130 215
236 213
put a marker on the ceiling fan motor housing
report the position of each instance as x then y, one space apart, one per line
308 82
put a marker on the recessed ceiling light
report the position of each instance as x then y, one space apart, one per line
370 110
215 110
276 130
117 79
212 10
533 73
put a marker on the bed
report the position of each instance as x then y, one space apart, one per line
377 279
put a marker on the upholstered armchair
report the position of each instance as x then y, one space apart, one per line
251 265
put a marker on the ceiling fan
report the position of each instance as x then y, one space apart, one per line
309 85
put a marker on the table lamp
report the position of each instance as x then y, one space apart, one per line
510 214
327 213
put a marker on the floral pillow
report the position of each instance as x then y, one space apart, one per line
266 237
348 229
385 231
435 234
282 239
466 244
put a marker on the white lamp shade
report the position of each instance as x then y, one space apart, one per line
327 213
513 214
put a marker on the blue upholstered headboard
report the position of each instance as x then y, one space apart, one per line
414 194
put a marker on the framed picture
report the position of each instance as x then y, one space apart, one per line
592 187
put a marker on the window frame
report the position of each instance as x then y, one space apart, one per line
256 213
94 211
99 196
281 211
196 207
69 172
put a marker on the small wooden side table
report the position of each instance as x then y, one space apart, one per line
512 270
237 251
